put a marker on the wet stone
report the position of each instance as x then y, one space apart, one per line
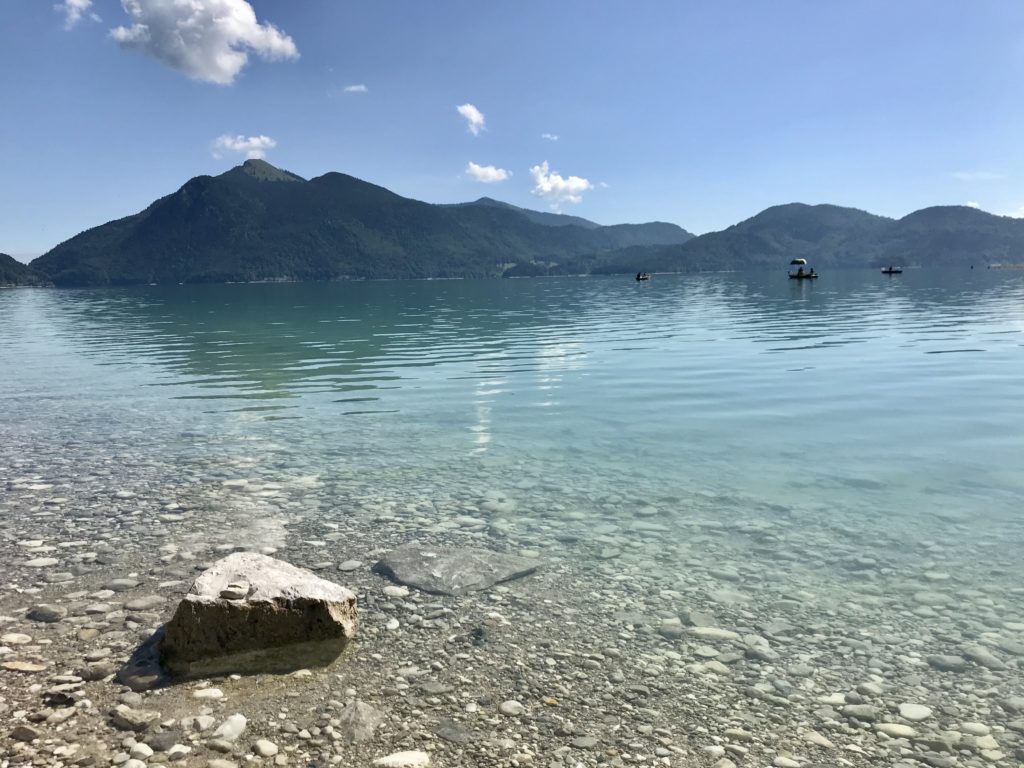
145 603
455 732
948 663
25 733
47 614
121 585
161 741
452 570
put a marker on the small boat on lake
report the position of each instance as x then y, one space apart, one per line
643 276
890 270
803 272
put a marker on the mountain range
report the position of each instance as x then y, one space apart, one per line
258 222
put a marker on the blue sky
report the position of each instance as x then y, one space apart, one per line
699 114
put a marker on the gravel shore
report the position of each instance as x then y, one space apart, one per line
698 630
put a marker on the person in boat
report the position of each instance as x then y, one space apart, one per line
813 273
639 275
800 272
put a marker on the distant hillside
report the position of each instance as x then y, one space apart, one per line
538 217
13 272
257 222
952 236
832 237
826 235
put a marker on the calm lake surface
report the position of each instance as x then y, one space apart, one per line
860 396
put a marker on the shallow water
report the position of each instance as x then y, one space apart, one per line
754 504
861 396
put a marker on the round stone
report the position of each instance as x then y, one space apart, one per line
208 693
265 748
142 751
47 614
512 708
975 729
915 713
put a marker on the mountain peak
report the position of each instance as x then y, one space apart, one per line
264 171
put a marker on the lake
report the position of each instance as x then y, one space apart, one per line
780 499
861 393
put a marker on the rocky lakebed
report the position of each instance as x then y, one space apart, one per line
492 624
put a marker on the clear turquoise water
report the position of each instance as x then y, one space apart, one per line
860 396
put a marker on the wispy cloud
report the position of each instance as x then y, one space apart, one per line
204 39
254 147
474 118
488 174
973 176
549 136
360 88
555 188
74 10
972 204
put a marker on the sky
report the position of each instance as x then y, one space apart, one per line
701 114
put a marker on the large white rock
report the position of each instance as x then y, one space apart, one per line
251 613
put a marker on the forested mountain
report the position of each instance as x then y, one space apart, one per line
13 272
830 237
257 222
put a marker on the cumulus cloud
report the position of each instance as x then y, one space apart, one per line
205 39
488 174
972 176
474 118
254 147
74 10
556 189
549 136
360 88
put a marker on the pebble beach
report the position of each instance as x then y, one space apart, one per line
699 630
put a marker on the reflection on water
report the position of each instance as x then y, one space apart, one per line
859 392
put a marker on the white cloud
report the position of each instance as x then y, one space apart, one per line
360 88
205 39
972 204
972 176
553 187
549 136
74 10
254 147
474 118
488 174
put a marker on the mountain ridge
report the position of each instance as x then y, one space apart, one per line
258 222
